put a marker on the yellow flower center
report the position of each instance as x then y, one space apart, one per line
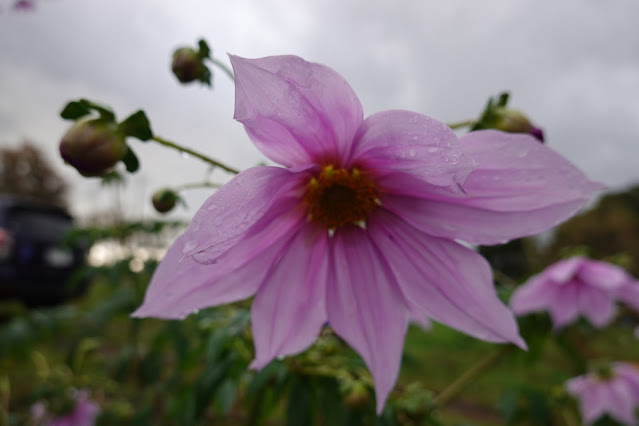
338 197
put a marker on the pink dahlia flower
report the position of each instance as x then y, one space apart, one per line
616 393
359 227
84 413
577 286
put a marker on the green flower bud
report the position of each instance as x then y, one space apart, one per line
164 200
511 121
187 66
93 146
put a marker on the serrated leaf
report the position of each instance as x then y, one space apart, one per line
137 125
75 110
131 161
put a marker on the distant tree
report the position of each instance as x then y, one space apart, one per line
611 228
25 170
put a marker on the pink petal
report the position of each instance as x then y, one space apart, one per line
535 295
366 308
603 275
412 143
227 214
563 307
296 112
620 403
565 270
181 285
448 282
289 309
629 294
519 188
596 305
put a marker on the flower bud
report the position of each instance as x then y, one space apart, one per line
164 200
187 66
93 146
511 121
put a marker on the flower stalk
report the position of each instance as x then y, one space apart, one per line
470 375
189 151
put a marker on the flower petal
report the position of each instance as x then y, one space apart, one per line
563 307
366 308
227 214
296 112
620 403
629 294
596 305
289 309
519 188
412 143
181 285
449 282
533 296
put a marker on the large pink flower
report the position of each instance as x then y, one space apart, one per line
577 286
616 393
359 228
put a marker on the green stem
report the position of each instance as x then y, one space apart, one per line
223 67
470 375
461 124
202 157
195 185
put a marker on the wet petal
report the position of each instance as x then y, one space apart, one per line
289 309
181 285
414 144
520 188
227 214
296 112
449 282
366 308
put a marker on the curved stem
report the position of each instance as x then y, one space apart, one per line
223 67
202 157
460 124
470 375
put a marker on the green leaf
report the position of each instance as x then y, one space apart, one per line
300 403
104 111
137 125
204 50
131 161
502 100
226 395
75 110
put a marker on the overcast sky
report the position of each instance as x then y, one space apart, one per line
572 66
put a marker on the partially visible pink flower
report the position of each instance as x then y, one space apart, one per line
359 228
615 393
84 413
23 5
574 287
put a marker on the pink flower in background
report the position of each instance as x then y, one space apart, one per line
359 228
616 393
84 413
577 286
23 5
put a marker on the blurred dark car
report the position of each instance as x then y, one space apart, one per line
36 266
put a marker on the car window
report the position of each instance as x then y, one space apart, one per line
40 224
